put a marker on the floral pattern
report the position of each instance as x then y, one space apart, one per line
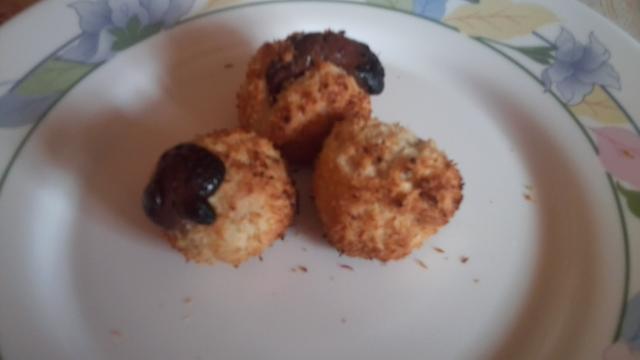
578 68
620 153
111 25
433 9
107 26
629 346
498 19
17 110
580 75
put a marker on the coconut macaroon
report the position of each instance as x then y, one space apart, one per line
225 196
296 89
381 191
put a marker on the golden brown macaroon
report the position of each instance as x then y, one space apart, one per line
381 191
226 196
296 89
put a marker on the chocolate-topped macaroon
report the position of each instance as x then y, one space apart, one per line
225 196
296 89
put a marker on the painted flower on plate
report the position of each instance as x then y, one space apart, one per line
106 26
111 25
628 347
16 110
619 152
433 9
577 68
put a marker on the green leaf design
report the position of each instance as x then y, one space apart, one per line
539 54
53 76
133 25
633 199
132 33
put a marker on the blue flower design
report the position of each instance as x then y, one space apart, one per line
111 25
631 324
16 110
107 27
578 68
433 9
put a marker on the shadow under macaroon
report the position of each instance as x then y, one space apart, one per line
122 143
113 148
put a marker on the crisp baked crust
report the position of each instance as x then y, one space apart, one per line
254 204
303 113
381 191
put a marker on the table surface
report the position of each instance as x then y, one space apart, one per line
625 13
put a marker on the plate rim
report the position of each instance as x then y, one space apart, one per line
627 268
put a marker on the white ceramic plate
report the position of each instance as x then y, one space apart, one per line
541 260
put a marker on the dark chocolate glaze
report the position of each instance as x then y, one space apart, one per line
309 48
185 177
